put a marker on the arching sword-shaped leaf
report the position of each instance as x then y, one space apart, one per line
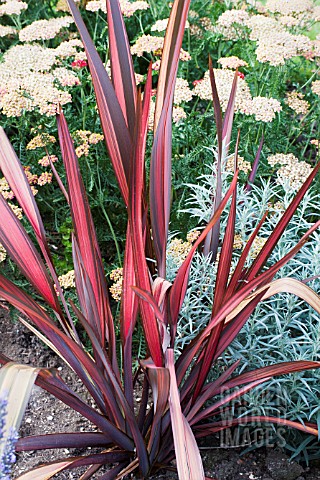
189 463
136 203
86 236
160 167
113 123
268 247
179 287
122 72
19 246
47 471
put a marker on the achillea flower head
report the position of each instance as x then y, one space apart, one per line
295 101
44 178
257 246
224 79
153 44
82 150
261 26
82 135
292 173
40 140
95 138
12 7
232 62
31 177
65 77
281 159
178 114
3 253
289 7
44 161
116 274
178 250
207 24
231 23
161 25
6 31
27 83
238 243
277 47
243 165
130 8
5 189
44 29
67 280
127 8
182 92
22 59
116 289
68 48
264 109
315 87
17 211
193 235
147 44
62 5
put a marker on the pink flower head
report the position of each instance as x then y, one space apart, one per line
79 64
196 82
241 75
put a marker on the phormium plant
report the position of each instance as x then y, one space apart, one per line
137 439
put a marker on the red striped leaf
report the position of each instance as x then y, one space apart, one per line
179 287
122 71
160 167
189 463
137 226
17 243
310 428
282 368
255 165
113 123
86 236
263 279
14 173
279 229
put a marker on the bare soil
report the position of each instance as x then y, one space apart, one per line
45 414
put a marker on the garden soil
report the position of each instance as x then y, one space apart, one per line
45 414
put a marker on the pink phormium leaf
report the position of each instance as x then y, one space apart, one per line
255 165
228 117
116 133
137 227
189 463
205 430
15 176
268 247
122 71
190 352
86 239
160 167
19 246
179 287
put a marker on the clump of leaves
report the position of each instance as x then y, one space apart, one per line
142 440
